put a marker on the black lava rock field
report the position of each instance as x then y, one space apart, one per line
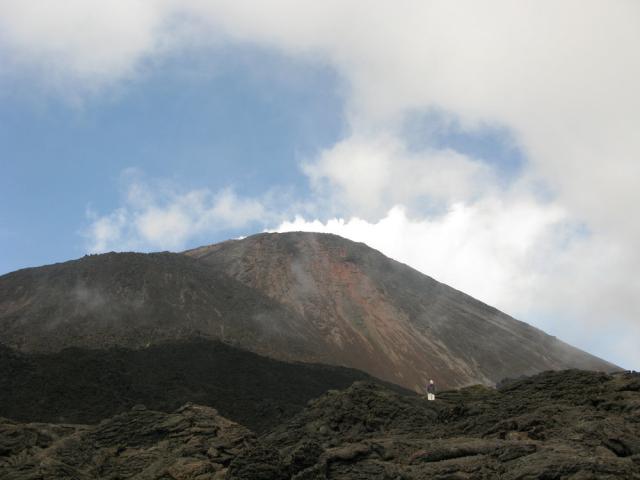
555 425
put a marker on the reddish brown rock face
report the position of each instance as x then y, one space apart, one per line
372 313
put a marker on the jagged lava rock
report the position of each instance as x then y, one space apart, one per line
555 425
194 442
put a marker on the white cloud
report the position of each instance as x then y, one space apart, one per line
162 218
106 231
562 76
366 175
90 43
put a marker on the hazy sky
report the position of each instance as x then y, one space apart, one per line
492 145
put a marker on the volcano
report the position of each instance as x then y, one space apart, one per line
304 297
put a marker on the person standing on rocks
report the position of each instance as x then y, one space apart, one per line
431 390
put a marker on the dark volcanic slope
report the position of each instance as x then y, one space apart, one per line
135 300
85 386
557 425
378 315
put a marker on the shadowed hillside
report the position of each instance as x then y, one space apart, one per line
85 386
135 300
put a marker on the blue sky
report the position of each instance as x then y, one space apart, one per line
244 117
247 122
450 136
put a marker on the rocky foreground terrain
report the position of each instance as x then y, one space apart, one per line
570 424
